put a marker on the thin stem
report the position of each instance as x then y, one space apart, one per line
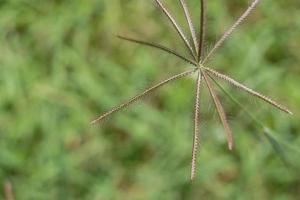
190 23
248 90
8 191
231 29
220 110
158 46
177 27
141 95
196 127
202 30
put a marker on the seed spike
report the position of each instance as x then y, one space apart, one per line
248 90
220 110
231 29
190 23
158 46
202 30
177 27
141 95
196 127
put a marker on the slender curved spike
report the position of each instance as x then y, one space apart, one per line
190 23
141 95
231 29
196 127
158 46
202 30
177 27
248 90
220 110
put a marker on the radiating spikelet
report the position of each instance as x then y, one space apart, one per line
196 126
231 29
202 30
220 110
177 28
250 91
190 23
141 95
160 47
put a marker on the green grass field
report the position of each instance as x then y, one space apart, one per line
61 66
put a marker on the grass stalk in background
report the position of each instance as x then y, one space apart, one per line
8 191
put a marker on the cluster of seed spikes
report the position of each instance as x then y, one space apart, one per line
198 59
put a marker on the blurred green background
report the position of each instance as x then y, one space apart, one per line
61 65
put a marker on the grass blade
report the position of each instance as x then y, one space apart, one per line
221 111
276 146
248 90
158 46
141 95
196 127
